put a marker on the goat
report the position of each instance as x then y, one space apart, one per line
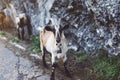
2 16
20 28
54 41
10 12
4 20
23 20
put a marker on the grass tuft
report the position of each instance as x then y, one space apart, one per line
105 68
35 43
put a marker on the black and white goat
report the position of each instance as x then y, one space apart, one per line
54 41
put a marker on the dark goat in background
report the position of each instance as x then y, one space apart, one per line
23 24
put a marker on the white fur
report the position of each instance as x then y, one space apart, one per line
22 15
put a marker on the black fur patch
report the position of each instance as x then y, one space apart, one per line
48 28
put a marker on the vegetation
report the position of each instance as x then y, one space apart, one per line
105 68
82 56
15 39
2 33
35 43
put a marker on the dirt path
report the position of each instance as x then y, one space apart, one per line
15 67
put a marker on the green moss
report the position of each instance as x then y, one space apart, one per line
35 43
106 68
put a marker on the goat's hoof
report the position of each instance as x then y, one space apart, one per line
52 78
68 74
22 39
56 65
45 65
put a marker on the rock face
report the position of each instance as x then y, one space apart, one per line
38 10
94 24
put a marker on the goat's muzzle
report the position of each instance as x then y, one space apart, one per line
59 50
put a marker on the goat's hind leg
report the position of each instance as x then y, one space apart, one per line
65 66
18 33
22 33
1 26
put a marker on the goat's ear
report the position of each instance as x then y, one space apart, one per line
22 19
65 27
50 22
48 28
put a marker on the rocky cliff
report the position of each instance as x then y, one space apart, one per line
94 24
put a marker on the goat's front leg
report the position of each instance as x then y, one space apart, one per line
53 68
22 33
65 66
43 57
43 53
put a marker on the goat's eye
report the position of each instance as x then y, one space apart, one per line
56 44
60 44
